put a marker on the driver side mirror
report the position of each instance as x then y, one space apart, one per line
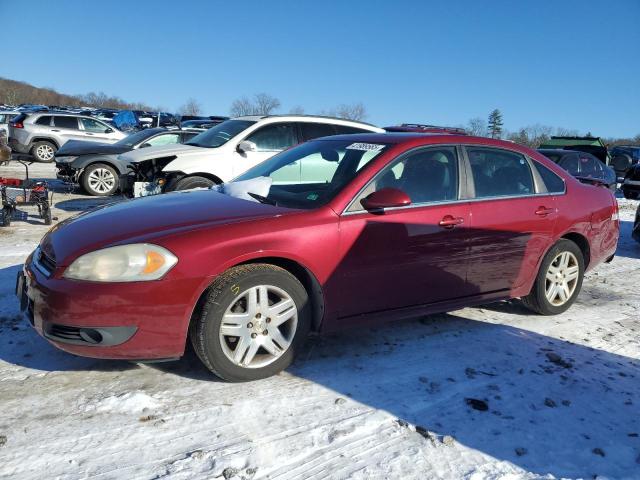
246 146
108 130
386 198
145 145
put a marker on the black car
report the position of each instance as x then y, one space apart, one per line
624 157
631 183
582 165
96 166
202 124
636 226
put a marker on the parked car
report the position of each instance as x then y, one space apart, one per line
422 128
201 125
584 166
631 183
406 225
623 157
229 149
96 166
593 145
5 118
636 226
42 134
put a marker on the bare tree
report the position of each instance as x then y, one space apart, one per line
241 106
354 111
265 104
297 110
191 107
477 127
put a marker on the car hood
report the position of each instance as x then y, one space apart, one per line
150 153
145 219
76 148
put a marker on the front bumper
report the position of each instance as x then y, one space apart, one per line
130 321
631 185
66 173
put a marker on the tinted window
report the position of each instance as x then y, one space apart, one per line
498 173
91 125
316 130
66 122
590 166
344 130
45 120
428 175
220 134
553 182
571 163
274 137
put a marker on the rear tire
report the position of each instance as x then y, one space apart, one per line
187 183
556 288
630 195
100 180
267 344
44 151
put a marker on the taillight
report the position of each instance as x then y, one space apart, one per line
17 125
615 215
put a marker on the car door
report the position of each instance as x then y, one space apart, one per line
66 128
268 140
97 131
513 219
411 255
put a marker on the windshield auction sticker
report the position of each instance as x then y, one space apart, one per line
366 147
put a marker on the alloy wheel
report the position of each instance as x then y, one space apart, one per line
45 152
101 180
562 278
259 326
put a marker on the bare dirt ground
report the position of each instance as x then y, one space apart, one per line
491 392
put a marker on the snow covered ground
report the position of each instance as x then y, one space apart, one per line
478 393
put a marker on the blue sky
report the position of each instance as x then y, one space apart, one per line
572 64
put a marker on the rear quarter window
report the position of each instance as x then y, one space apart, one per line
553 182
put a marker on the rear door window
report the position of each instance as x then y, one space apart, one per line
44 120
346 130
66 122
499 173
316 130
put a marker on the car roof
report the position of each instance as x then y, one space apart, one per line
306 118
408 137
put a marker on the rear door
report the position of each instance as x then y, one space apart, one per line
67 128
513 219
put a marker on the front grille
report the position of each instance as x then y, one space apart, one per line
46 262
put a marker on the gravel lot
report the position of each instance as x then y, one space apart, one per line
478 393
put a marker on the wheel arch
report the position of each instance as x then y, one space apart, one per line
304 275
583 245
217 180
34 140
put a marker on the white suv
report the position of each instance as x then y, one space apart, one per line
229 149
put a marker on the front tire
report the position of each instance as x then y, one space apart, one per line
43 151
100 180
253 322
187 183
559 280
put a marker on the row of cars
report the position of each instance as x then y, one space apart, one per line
104 160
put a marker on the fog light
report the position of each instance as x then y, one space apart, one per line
161 181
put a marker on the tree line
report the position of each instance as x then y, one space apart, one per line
14 92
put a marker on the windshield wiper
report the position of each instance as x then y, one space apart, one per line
262 199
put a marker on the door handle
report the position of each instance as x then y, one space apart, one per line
544 211
449 221
54 130
87 133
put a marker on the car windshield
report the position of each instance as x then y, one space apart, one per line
135 138
220 134
311 174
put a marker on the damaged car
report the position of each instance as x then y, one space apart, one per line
97 168
227 150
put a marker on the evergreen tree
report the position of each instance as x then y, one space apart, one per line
495 124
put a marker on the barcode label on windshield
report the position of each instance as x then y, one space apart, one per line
367 147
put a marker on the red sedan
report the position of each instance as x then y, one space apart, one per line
335 232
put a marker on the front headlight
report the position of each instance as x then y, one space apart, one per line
65 159
125 263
